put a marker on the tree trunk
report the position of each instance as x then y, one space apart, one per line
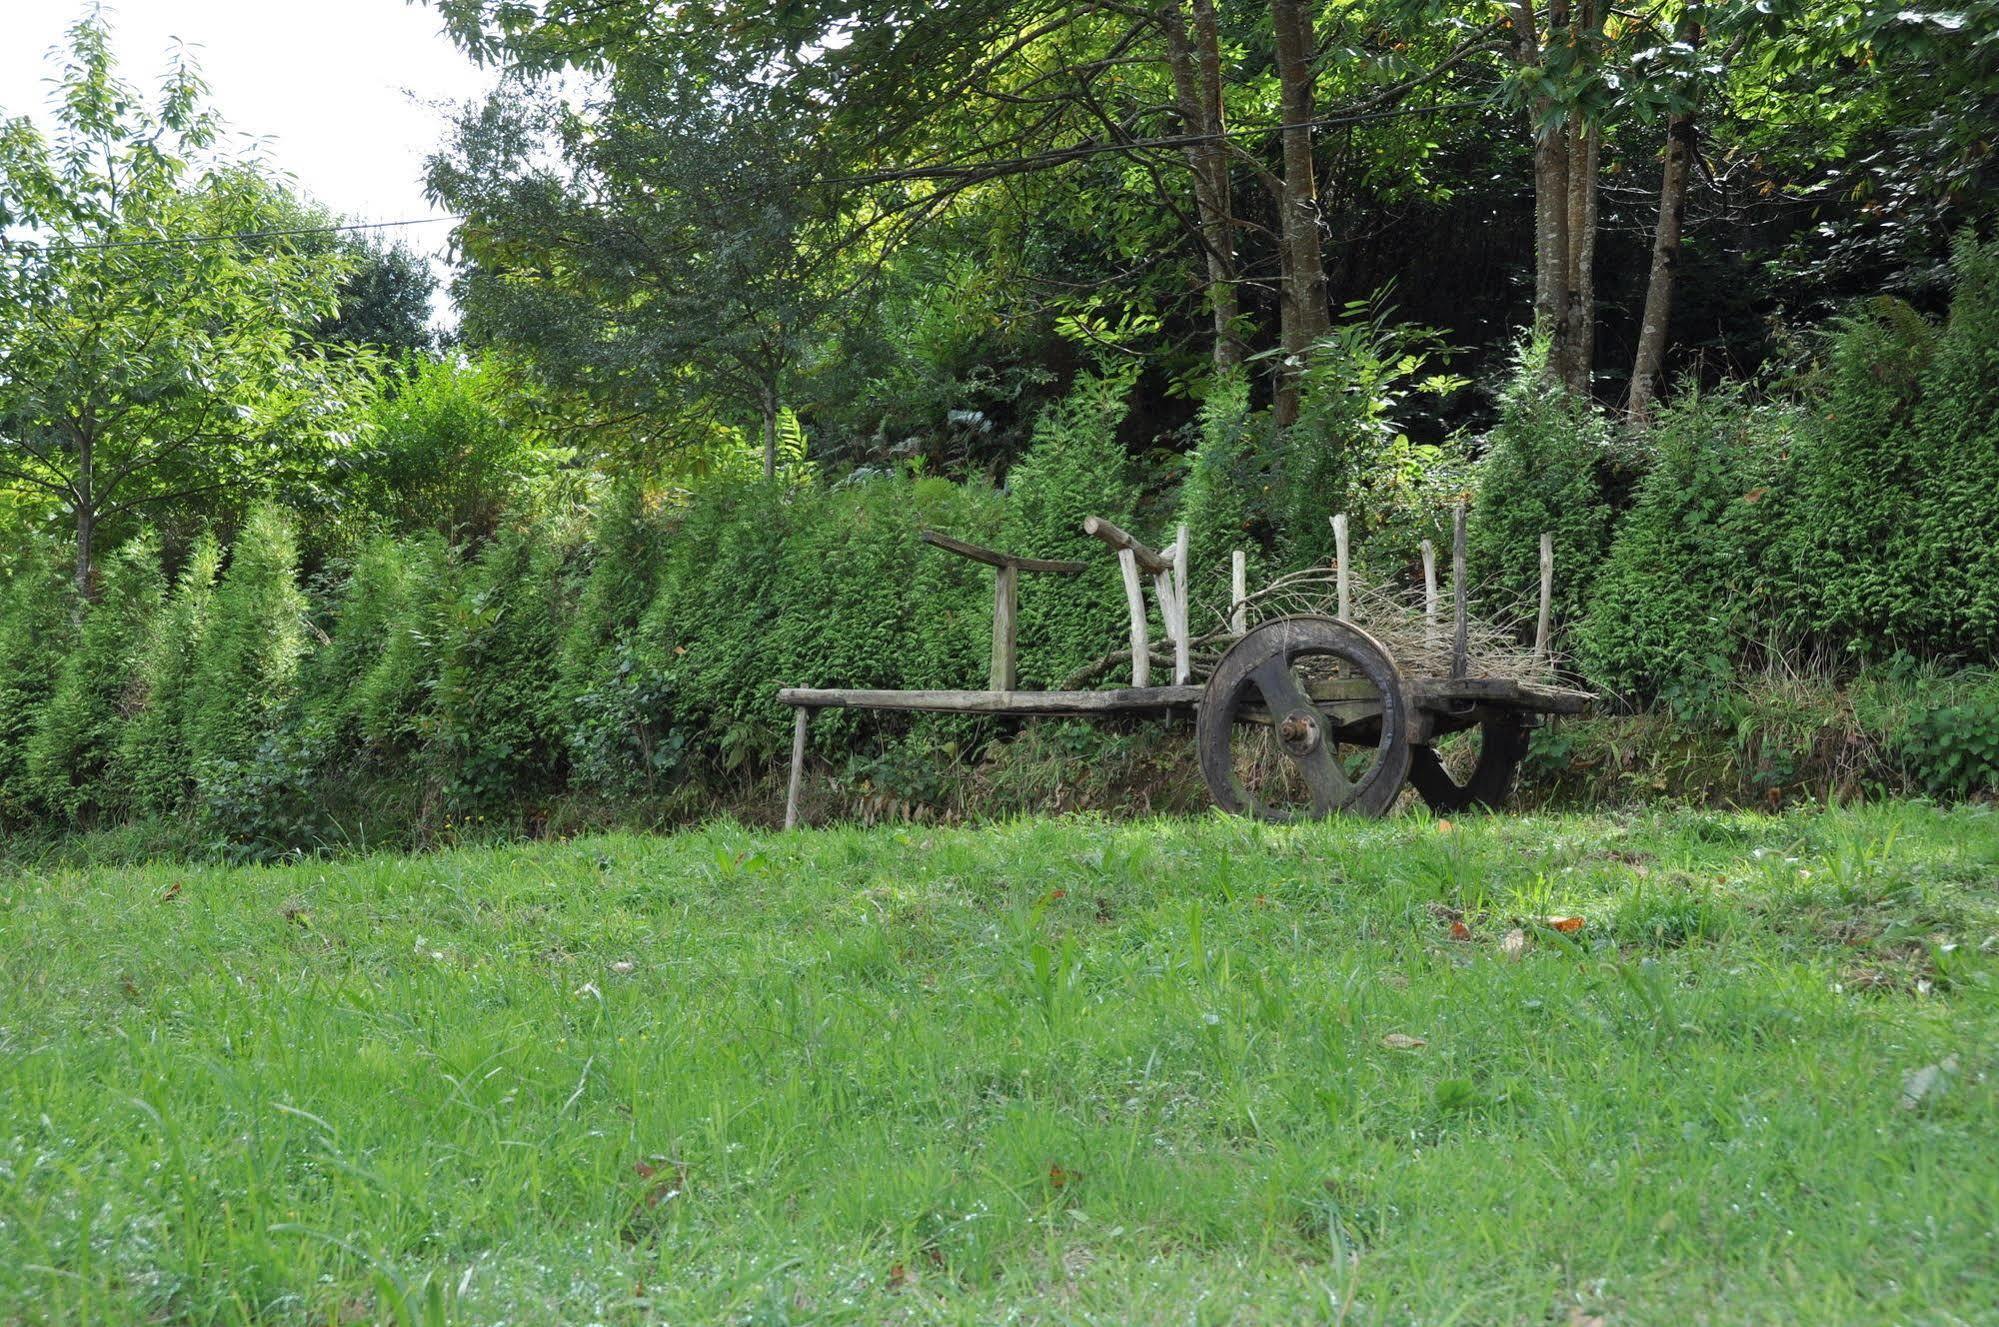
1302 288
1196 68
1551 190
770 435
1579 309
85 491
1651 356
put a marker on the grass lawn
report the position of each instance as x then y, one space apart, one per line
1187 1071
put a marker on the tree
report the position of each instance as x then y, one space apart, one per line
676 268
383 300
145 364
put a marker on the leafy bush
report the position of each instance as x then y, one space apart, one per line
154 771
1954 750
35 636
497 716
1684 571
1075 468
249 662
1548 468
75 735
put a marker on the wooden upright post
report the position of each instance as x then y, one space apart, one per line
1461 642
1547 596
1134 598
798 723
1183 645
1006 602
1238 592
1429 591
1341 574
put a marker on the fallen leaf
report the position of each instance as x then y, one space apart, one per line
1566 925
1059 1178
172 892
898 1277
1460 931
1444 827
1928 1083
671 1177
1402 1041
1514 946
623 965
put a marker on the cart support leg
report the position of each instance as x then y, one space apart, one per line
798 726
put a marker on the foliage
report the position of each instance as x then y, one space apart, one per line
36 633
1548 467
248 667
1955 749
142 372
383 300
1075 468
1681 584
449 450
154 770
69 757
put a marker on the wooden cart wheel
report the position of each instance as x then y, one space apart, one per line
1502 744
1303 717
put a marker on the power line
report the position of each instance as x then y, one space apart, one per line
973 171
178 241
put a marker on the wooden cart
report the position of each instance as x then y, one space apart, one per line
1303 715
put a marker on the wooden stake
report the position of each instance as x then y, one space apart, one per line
1183 644
1134 598
1340 564
1461 642
1547 596
798 724
1006 600
1238 592
1429 590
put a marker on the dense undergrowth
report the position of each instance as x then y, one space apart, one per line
1788 594
1672 1067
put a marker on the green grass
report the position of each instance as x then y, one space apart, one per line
1052 1071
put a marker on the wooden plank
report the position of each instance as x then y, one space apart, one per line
1461 640
1006 603
1238 592
994 558
1441 692
798 725
994 702
1547 596
1340 566
1098 528
1134 598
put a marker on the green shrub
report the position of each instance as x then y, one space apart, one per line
1225 500
1954 750
449 451
35 634
1075 468
390 706
627 546
248 668
1547 469
1682 576
154 772
498 719
76 735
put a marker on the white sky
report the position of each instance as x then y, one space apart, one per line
351 95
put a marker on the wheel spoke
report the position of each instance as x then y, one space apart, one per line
1283 694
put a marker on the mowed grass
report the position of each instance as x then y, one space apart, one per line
1053 1071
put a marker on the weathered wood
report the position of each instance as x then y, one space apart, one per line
1443 693
1134 598
1238 592
1461 641
994 558
798 726
1152 561
995 702
1006 603
1429 590
1547 596
1183 643
1341 570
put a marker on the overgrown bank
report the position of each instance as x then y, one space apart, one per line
1790 595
